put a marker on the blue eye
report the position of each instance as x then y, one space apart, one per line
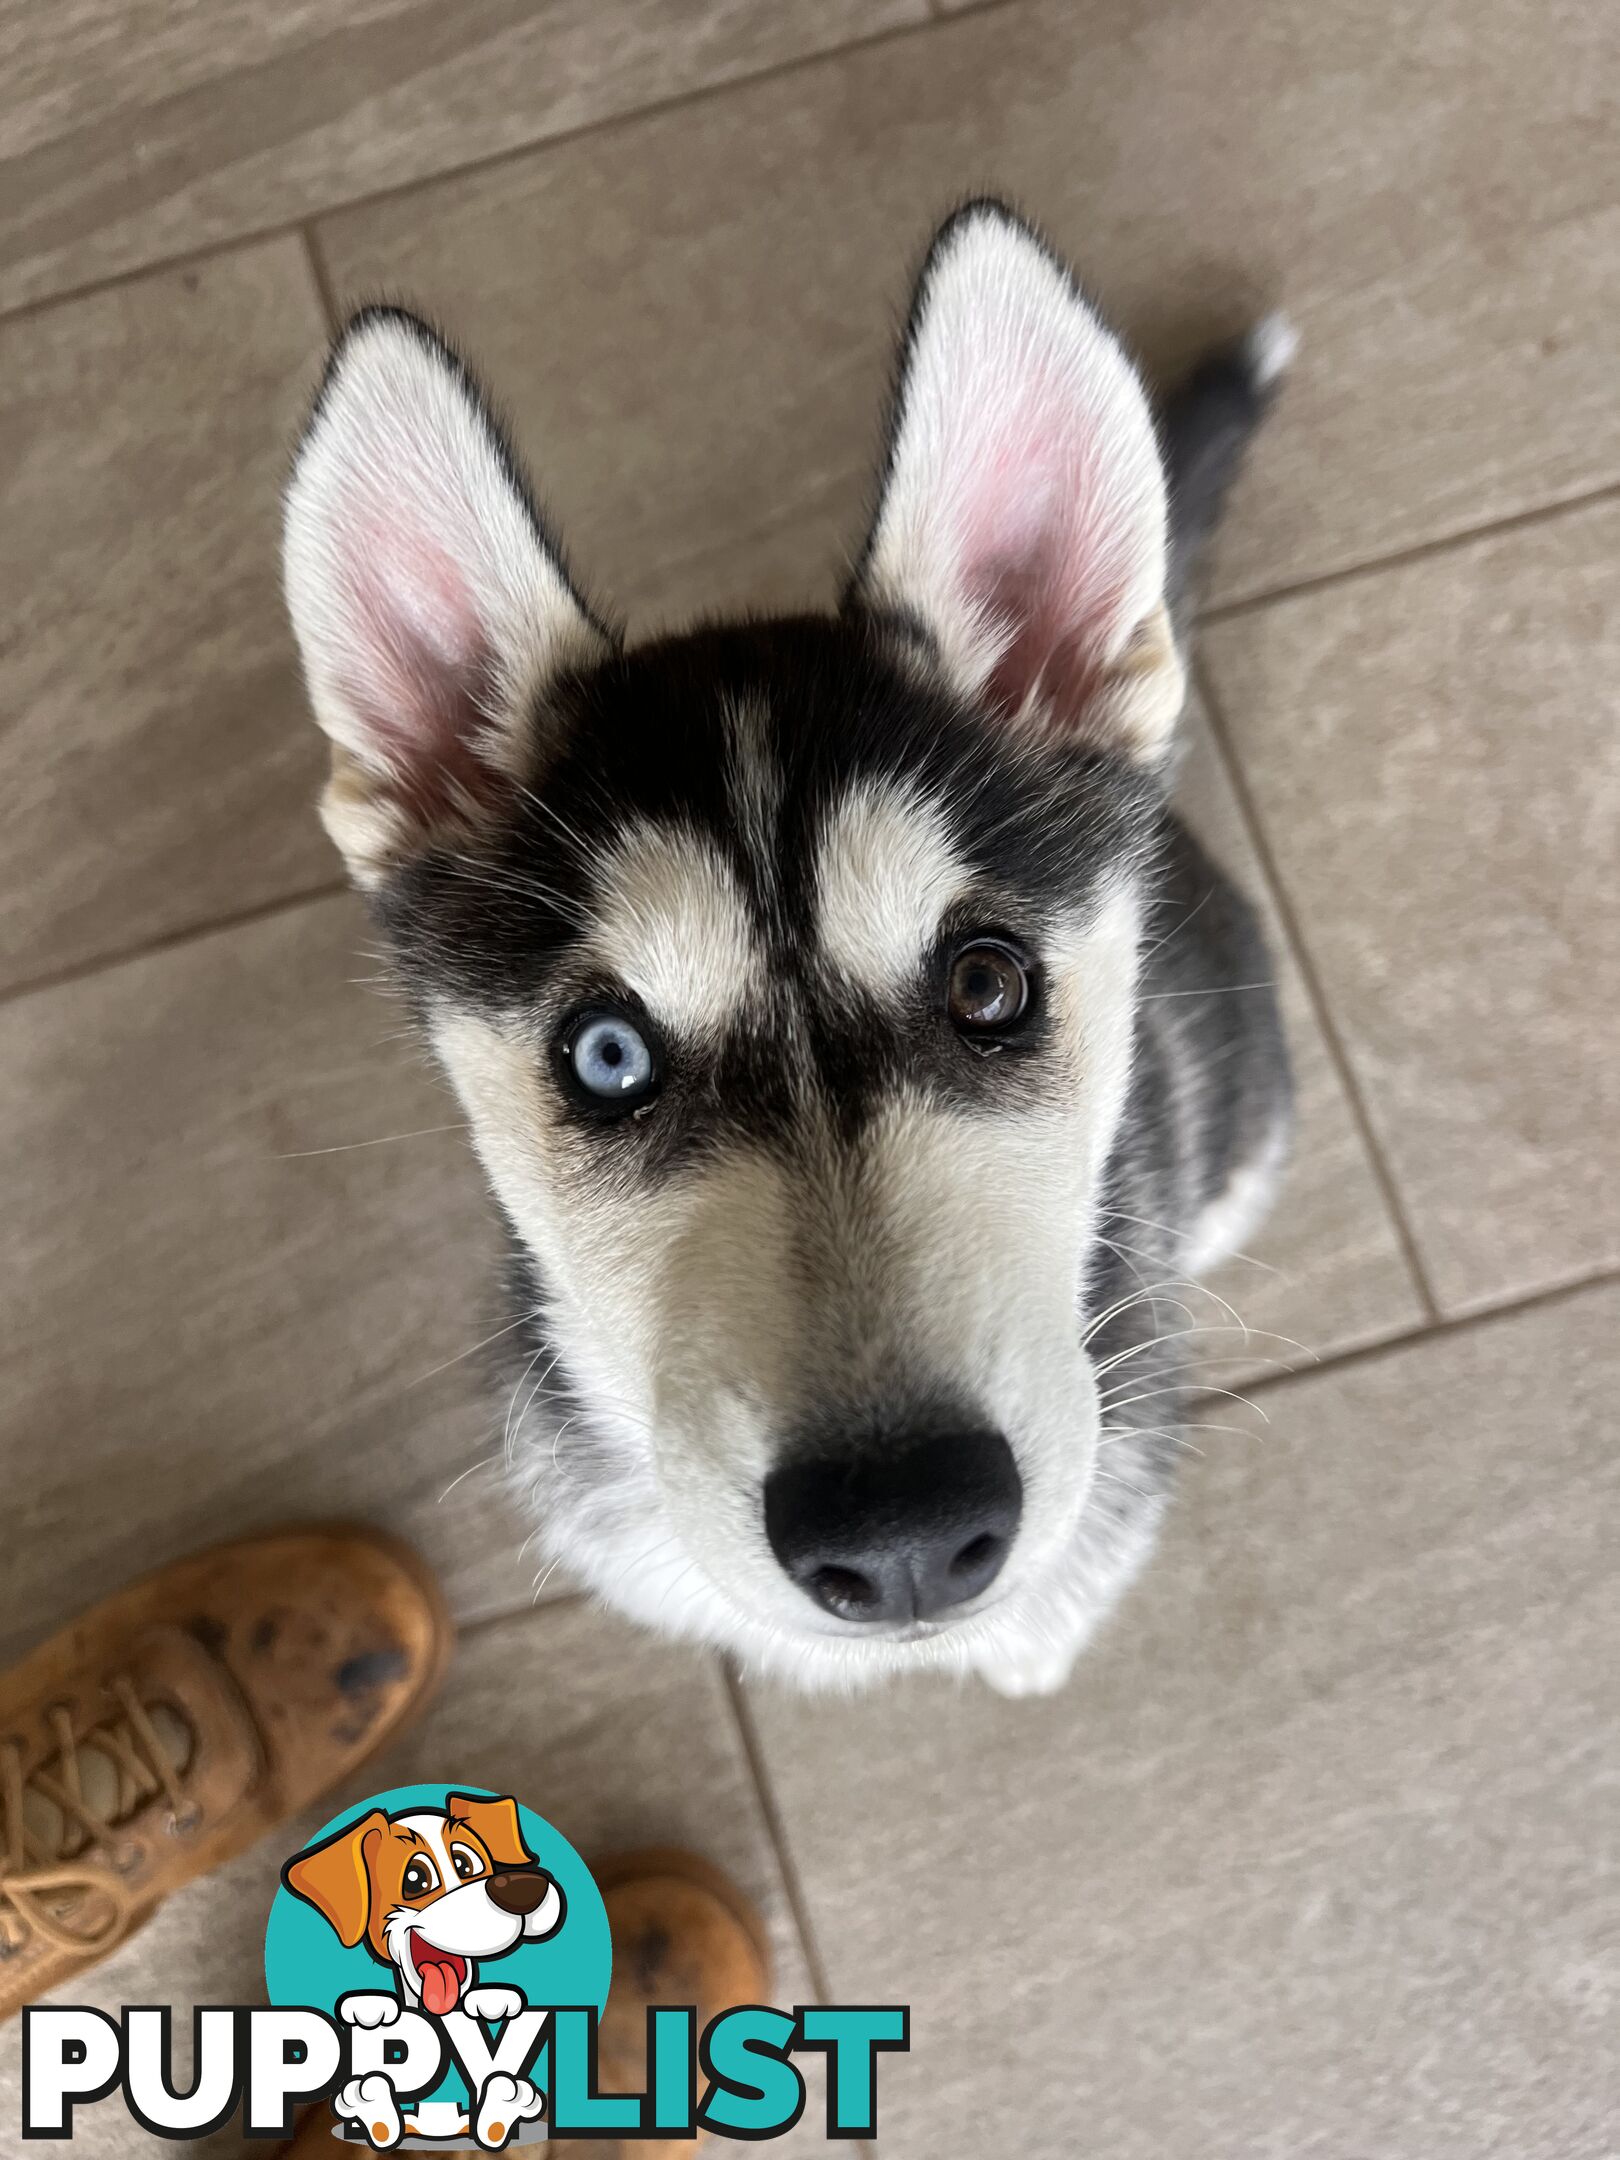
611 1059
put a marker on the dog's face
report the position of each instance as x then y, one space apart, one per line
431 1891
786 971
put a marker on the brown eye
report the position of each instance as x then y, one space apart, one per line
420 1877
988 988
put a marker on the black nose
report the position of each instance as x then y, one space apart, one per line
897 1529
518 1890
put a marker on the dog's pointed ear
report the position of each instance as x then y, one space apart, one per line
496 1823
430 606
335 1876
1020 525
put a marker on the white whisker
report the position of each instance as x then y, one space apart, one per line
1136 1297
1145 1222
540 1581
433 1370
1185 1387
347 1147
482 1464
1203 901
1212 990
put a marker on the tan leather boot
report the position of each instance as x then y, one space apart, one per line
682 1933
171 1725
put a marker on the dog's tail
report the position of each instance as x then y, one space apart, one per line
1205 428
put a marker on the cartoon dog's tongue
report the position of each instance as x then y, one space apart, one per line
440 1972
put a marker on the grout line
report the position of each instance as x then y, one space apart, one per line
467 1629
320 275
1446 1325
166 941
793 1887
1293 931
205 251
491 161
764 1793
748 1734
1420 551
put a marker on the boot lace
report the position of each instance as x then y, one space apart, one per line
64 1846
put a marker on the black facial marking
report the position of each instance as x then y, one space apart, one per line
750 737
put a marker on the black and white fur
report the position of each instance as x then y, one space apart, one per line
766 838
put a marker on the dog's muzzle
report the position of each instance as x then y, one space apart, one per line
901 1529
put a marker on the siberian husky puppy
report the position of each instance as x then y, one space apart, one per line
851 1034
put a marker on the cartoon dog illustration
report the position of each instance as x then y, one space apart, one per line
432 1892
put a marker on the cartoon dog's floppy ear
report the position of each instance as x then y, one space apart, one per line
334 1878
496 1822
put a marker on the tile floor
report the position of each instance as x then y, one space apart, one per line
1315 1855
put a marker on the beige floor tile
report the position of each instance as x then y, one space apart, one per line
209 1329
141 128
1326 1270
1448 390
617 1741
157 769
692 313
1432 753
1309 1857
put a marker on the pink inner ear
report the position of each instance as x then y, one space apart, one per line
1033 542
418 672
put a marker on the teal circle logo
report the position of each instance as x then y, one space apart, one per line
442 1897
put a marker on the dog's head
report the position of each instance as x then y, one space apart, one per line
786 969
430 1891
